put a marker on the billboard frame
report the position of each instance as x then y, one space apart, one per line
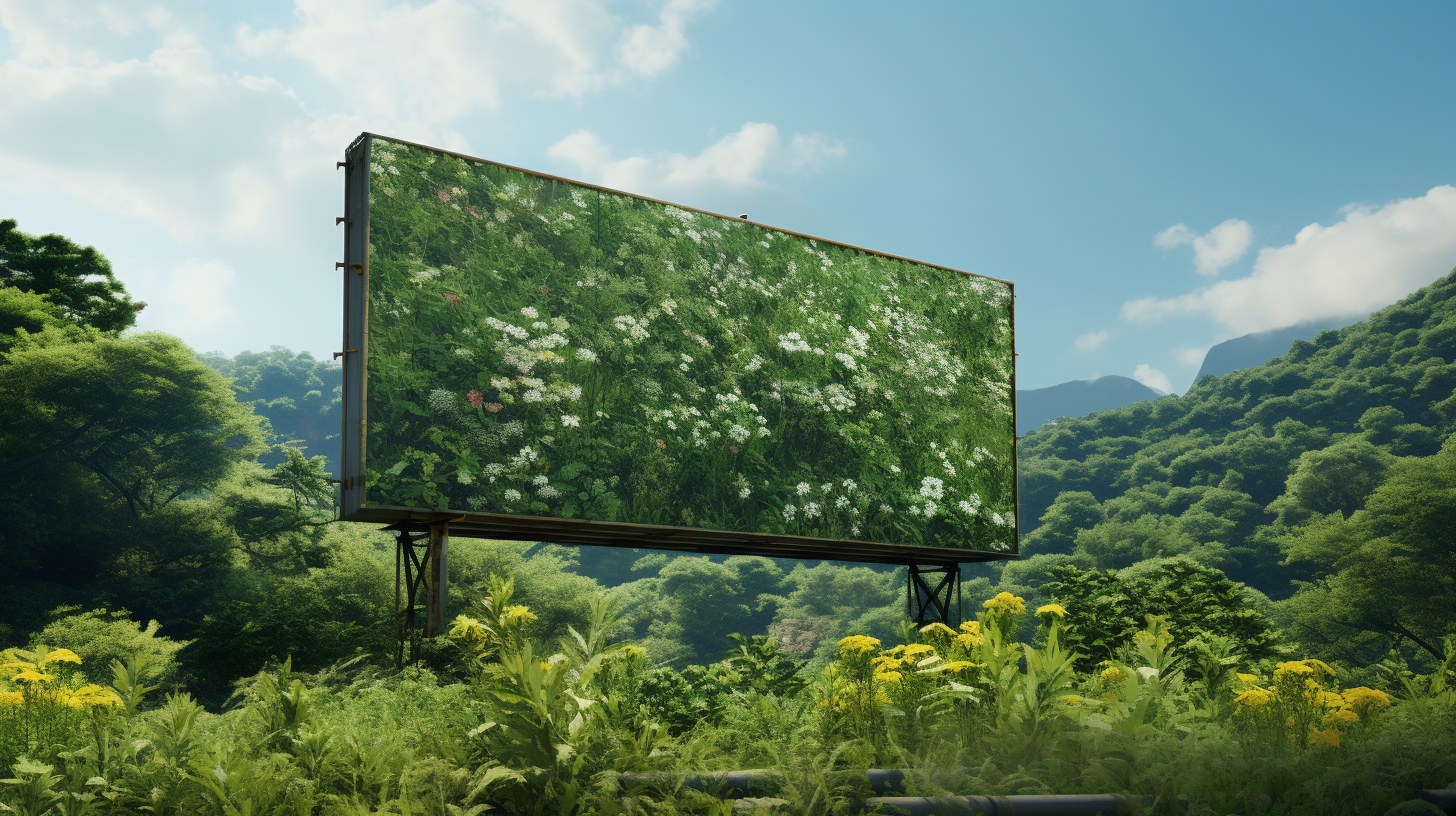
355 507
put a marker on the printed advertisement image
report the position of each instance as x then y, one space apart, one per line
540 359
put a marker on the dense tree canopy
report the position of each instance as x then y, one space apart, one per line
77 280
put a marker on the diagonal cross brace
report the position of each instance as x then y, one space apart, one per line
932 599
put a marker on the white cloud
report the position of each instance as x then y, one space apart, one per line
1213 250
1371 258
428 65
132 115
738 161
649 50
1152 378
195 299
1090 341
1190 357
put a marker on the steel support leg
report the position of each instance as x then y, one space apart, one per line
934 594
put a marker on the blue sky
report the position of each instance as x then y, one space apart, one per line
1153 177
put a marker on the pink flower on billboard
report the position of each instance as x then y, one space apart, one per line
475 397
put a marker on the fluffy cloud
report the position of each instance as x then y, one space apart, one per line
1153 378
1190 357
649 50
428 65
199 151
1371 258
1213 250
1090 341
738 161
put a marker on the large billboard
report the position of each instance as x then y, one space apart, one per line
537 358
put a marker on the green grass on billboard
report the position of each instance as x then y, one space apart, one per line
543 348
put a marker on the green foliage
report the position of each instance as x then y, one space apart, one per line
76 280
1386 569
1224 471
100 636
297 395
1105 609
540 348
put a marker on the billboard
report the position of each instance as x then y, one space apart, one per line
536 358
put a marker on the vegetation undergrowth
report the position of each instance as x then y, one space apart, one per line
588 725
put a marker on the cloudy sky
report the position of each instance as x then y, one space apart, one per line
1154 177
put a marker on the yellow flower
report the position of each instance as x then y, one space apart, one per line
1329 700
970 640
1365 700
1113 674
1310 667
890 677
1329 736
32 676
1247 679
467 628
971 627
918 649
937 630
1072 700
518 614
1341 717
60 654
1052 609
1255 698
958 665
631 652
858 645
11 698
1005 602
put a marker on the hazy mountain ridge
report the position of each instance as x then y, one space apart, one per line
1200 473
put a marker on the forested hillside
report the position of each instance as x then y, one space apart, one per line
1320 474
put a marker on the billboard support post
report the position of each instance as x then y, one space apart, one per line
420 570
435 600
934 601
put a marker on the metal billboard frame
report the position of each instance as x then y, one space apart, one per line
354 504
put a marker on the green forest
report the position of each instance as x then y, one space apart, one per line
1234 601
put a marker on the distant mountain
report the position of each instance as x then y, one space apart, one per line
1261 347
1077 398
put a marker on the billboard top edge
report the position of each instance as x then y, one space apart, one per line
640 197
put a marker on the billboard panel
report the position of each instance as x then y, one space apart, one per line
551 360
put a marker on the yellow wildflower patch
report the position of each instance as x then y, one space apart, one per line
1113 674
858 645
11 698
32 676
1341 717
1365 700
889 677
1052 609
1255 698
937 628
57 655
958 665
1328 736
971 627
918 649
1005 602
970 640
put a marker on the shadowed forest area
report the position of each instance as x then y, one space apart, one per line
1238 600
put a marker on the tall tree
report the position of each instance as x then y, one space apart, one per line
77 280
